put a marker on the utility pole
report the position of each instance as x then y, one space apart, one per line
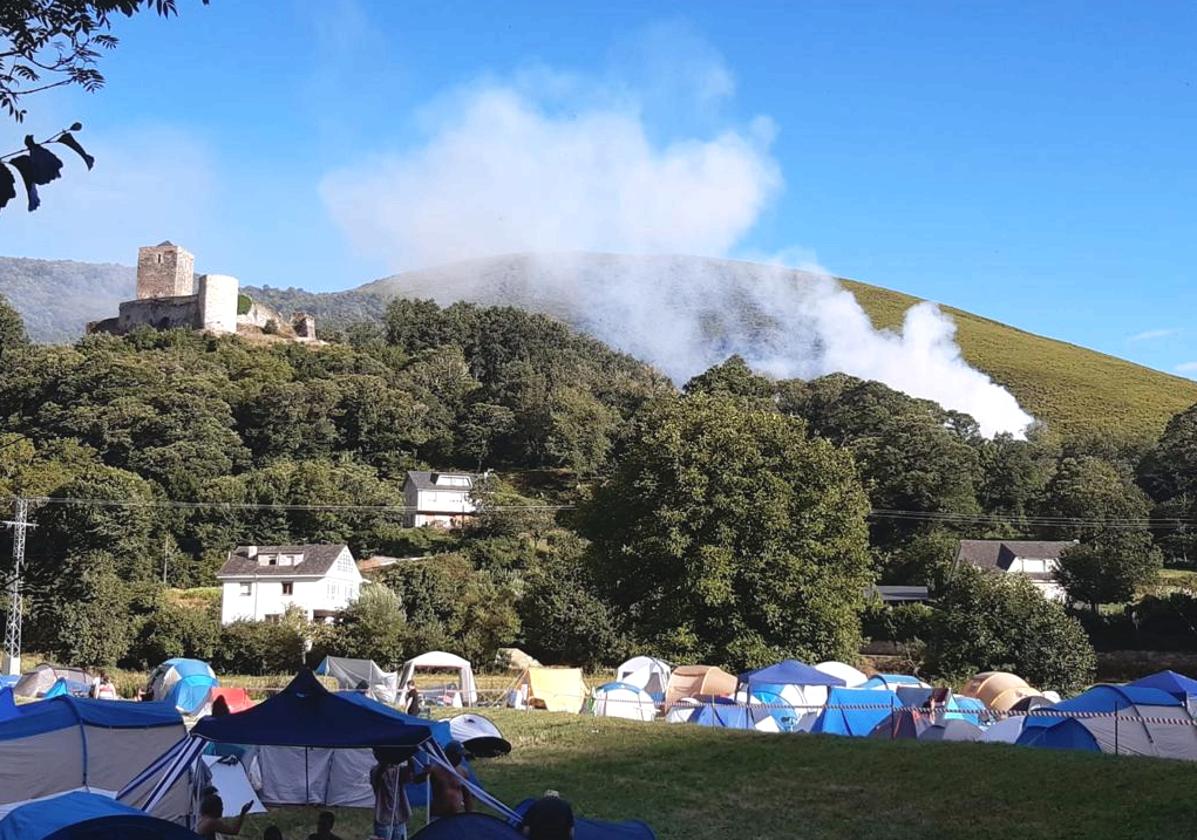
12 630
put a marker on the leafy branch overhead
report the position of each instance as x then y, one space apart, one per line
37 166
46 44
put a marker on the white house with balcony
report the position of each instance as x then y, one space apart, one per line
259 582
441 499
1034 559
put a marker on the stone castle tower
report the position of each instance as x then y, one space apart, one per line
164 270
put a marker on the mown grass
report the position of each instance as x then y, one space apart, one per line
695 783
1078 392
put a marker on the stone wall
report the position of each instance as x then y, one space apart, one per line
159 313
165 271
218 303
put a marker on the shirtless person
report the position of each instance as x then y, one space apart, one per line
212 823
449 795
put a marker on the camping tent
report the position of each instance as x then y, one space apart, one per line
234 699
998 690
1149 722
185 684
620 700
902 724
361 675
438 660
42 678
890 682
646 673
854 711
68 743
1178 685
302 775
950 706
722 713
851 676
698 680
951 730
795 682
8 706
86 816
1063 734
479 735
1004 731
553 689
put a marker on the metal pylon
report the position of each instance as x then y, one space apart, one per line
12 629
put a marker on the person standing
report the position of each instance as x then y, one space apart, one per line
414 701
212 824
392 809
449 795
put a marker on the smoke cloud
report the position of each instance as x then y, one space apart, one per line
506 169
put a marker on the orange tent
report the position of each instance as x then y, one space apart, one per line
999 690
698 680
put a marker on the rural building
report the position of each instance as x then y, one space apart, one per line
1036 559
441 499
259 582
170 296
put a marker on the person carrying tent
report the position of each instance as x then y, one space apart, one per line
392 809
212 824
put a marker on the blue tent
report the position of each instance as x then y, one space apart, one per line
857 721
891 681
1104 698
8 705
1170 682
86 816
1061 734
59 689
184 683
306 714
788 672
728 716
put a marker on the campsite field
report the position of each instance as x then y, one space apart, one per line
691 783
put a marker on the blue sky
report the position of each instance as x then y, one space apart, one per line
1032 163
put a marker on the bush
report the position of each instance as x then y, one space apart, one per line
986 621
374 627
172 631
259 647
902 623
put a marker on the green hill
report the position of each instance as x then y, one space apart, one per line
1076 390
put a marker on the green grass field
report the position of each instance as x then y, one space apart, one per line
692 783
1076 390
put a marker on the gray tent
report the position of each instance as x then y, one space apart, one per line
361 675
42 678
952 730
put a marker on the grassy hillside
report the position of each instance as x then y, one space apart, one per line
1076 390
693 783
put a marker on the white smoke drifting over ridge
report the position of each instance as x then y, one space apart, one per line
502 173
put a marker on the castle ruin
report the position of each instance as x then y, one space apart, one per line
170 296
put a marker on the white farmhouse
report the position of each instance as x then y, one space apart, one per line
259 582
1035 559
438 498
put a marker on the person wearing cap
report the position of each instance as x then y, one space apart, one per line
549 818
449 796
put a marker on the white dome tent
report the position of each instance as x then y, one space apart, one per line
647 673
479 735
1004 731
439 660
852 677
621 700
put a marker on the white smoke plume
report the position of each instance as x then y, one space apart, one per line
501 172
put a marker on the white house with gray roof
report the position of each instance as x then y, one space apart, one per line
1034 559
441 499
259 582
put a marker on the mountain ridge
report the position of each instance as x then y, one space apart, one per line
1076 390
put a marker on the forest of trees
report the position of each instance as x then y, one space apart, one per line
737 520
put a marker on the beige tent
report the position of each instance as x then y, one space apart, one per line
999 690
553 689
697 680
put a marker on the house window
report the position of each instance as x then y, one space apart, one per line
344 564
331 590
247 589
288 587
